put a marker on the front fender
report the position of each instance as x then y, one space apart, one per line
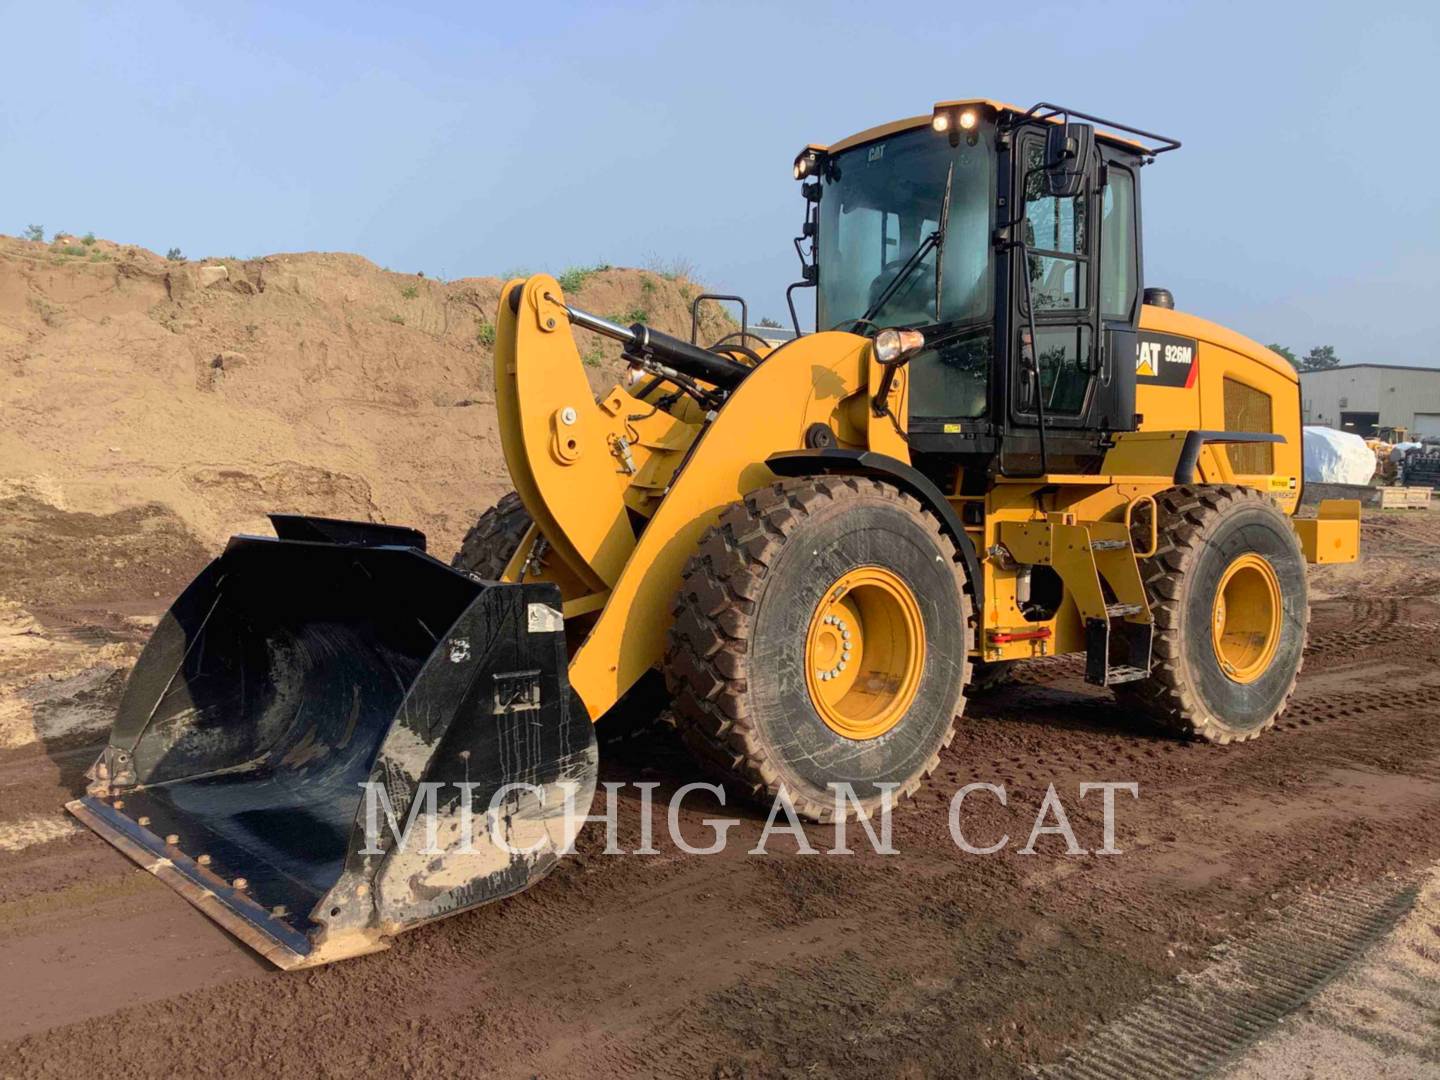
893 471
808 381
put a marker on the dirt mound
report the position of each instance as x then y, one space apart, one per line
225 389
53 561
150 408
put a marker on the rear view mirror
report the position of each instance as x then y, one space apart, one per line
1067 155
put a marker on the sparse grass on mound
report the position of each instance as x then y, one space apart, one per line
634 315
573 279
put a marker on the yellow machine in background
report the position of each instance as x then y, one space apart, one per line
998 446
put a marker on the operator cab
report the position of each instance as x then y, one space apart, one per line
1011 239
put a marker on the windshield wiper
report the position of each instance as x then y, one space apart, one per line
940 244
901 276
936 242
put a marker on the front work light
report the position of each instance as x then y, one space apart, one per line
893 346
806 163
947 121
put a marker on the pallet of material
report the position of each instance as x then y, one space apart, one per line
1408 498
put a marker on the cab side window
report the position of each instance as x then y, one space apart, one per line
1063 353
1118 276
1055 235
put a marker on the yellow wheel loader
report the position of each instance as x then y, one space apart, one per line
998 445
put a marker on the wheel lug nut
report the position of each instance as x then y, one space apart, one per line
845 634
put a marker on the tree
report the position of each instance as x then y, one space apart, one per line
1287 354
174 255
35 232
768 322
1319 358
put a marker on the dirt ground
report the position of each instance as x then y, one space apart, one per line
926 962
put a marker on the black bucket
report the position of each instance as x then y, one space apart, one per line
302 689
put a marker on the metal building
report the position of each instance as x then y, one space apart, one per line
1362 397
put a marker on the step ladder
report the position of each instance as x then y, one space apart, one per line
1089 556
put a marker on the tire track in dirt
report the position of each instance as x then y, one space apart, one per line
1192 1028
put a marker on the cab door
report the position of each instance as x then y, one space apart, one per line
1059 369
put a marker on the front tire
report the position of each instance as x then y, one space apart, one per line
1228 592
821 636
493 539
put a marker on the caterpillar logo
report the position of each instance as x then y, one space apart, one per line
1165 359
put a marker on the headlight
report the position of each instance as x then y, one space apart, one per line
892 346
941 122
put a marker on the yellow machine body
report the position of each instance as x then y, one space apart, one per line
587 468
581 488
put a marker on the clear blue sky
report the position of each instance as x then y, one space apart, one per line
477 138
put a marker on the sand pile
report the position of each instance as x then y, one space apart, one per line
224 389
150 408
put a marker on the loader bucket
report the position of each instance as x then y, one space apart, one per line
332 737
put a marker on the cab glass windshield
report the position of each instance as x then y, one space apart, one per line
881 201
879 204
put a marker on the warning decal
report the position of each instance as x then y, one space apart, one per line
1165 359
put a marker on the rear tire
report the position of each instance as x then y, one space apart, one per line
1214 675
493 539
751 621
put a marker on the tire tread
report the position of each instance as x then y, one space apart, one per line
1188 516
714 613
492 540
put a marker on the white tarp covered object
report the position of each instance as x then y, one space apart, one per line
1337 457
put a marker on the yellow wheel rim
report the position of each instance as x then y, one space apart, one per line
1245 624
864 653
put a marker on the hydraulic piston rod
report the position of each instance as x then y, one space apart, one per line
646 343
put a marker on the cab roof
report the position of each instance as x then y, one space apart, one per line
995 107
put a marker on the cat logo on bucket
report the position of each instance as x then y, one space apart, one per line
1165 359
